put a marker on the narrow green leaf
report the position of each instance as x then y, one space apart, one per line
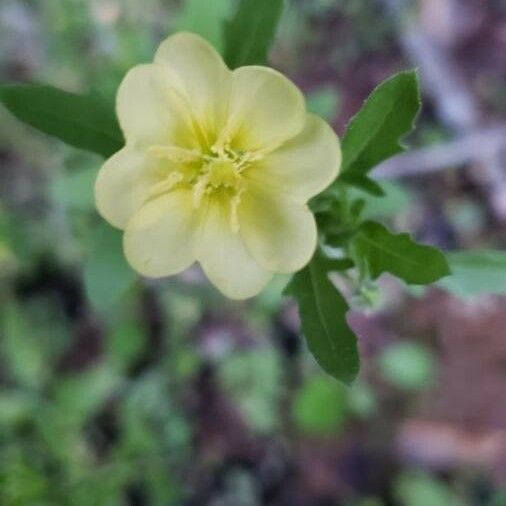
476 273
205 18
323 317
381 251
363 182
249 35
374 134
83 121
107 276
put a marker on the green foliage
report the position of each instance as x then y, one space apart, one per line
476 273
77 397
16 406
373 135
126 339
323 317
252 379
115 432
320 407
74 189
499 498
378 251
249 35
407 365
420 489
370 501
206 19
21 482
82 121
21 348
394 202
107 276
324 102
362 400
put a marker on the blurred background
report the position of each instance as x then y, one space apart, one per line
119 392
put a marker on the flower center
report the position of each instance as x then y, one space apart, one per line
222 173
217 175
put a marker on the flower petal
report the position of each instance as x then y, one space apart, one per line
265 109
305 165
151 110
279 233
123 184
159 239
224 258
202 75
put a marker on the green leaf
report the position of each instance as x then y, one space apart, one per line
107 276
252 379
205 18
395 201
249 35
407 365
339 264
378 250
363 182
417 488
374 134
21 349
476 272
320 407
125 339
323 317
79 396
83 121
16 406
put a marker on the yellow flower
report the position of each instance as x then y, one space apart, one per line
217 169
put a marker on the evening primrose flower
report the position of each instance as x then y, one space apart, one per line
218 168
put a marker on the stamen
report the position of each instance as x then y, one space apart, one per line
175 154
222 150
219 149
167 184
199 190
219 171
234 215
246 158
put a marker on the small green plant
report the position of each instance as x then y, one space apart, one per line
350 244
